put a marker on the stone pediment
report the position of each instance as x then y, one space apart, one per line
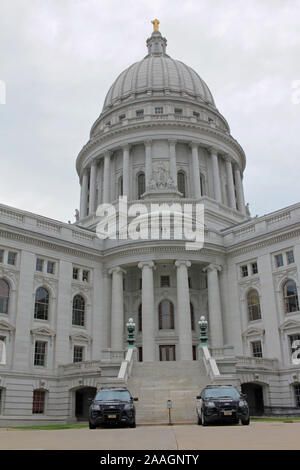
289 324
253 331
43 331
5 326
80 337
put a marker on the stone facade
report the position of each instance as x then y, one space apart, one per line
66 295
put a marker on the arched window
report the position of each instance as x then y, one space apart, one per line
192 316
120 186
253 305
78 312
141 184
181 182
166 315
140 324
290 296
4 296
41 305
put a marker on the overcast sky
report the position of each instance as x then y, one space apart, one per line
58 59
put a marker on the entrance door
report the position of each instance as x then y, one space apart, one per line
255 398
167 352
83 398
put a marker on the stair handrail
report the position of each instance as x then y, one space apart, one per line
126 365
210 363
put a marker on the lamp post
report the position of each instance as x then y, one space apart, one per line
130 328
203 331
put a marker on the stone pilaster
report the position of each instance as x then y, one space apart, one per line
148 162
214 306
117 308
126 171
183 310
84 194
216 174
230 183
239 190
106 178
93 175
148 319
196 171
173 165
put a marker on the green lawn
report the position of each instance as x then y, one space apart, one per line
51 427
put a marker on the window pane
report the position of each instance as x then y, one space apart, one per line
78 354
78 310
39 264
85 275
290 257
256 349
39 353
181 182
279 260
290 295
41 304
50 267
253 305
141 184
4 296
11 258
244 270
38 403
164 281
166 315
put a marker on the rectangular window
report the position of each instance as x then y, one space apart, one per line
297 394
107 123
139 113
195 114
38 402
256 349
254 268
122 116
279 260
39 264
78 354
159 110
50 267
140 352
244 270
194 352
164 281
11 258
178 111
85 275
75 273
290 257
40 353
1 256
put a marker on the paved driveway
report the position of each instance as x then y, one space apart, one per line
263 435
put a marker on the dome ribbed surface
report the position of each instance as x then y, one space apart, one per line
158 74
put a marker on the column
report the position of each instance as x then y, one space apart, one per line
230 182
216 174
196 171
239 190
93 174
117 308
126 171
214 306
148 162
84 194
184 311
106 178
172 157
148 318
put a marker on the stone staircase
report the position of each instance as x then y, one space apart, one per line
156 382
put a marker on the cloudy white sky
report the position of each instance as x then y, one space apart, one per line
59 57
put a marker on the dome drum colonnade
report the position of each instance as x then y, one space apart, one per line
149 313
89 200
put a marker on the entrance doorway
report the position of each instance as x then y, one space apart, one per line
255 398
83 398
167 352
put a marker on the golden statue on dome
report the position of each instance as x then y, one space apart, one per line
155 25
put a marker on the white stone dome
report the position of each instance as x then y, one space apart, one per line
157 74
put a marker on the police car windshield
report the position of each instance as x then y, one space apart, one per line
113 395
222 392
